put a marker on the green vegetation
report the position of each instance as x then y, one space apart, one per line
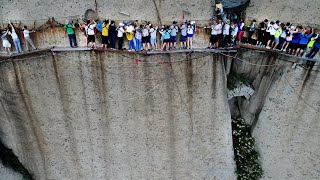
233 79
246 157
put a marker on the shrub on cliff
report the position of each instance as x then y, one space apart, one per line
246 157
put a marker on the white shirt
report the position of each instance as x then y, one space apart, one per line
90 29
145 32
226 29
190 30
234 31
26 33
13 34
219 28
153 32
120 32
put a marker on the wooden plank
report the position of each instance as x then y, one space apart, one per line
63 49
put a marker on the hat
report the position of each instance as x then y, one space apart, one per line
174 22
293 28
192 22
121 24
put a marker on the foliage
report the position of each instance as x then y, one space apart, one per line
233 79
246 157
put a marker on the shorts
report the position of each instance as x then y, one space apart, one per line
271 37
162 38
220 36
6 44
146 39
91 38
166 40
189 35
153 40
267 36
183 38
276 40
213 39
302 46
293 46
104 39
173 38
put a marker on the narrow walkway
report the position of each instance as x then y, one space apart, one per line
249 46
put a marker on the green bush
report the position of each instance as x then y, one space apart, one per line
233 79
246 157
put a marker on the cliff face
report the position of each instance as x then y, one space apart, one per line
283 112
286 11
95 115
33 10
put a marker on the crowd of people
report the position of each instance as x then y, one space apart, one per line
298 41
294 40
141 37
12 31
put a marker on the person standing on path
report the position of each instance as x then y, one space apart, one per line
15 39
28 40
69 27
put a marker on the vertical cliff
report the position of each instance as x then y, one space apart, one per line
283 113
98 115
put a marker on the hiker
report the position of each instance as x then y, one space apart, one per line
83 28
304 39
191 28
138 37
162 36
214 35
120 30
234 32
69 27
173 35
252 29
226 33
271 32
315 48
166 37
28 40
262 34
295 41
145 37
289 37
15 38
112 35
129 33
153 37
310 44
105 34
277 36
240 30
183 35
5 42
90 29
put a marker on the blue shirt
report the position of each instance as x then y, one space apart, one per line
167 34
4 37
296 38
305 38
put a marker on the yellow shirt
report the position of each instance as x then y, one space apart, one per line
311 43
129 35
105 29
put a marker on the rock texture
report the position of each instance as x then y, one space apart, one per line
305 12
284 114
8 174
87 115
30 10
